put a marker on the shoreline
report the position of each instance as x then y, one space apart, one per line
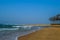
13 35
27 33
32 32
44 34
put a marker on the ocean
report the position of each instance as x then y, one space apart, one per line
12 32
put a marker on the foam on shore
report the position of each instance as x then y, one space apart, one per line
44 34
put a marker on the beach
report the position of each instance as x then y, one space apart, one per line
43 34
14 34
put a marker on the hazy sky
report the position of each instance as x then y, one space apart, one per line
28 11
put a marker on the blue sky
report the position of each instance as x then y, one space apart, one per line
28 11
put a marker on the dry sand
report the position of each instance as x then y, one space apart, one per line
44 34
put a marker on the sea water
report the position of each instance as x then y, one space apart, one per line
12 32
14 27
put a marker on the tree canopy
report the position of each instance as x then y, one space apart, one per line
55 18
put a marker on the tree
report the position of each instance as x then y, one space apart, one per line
55 19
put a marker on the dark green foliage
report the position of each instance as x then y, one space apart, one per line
55 18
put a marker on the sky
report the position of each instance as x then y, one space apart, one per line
28 11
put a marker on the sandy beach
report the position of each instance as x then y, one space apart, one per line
44 34
14 34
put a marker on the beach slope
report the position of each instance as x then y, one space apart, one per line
44 34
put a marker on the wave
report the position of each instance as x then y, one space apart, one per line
2 29
16 28
29 27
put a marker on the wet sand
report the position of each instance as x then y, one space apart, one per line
44 34
14 34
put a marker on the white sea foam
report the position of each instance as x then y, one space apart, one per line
2 29
16 26
29 27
